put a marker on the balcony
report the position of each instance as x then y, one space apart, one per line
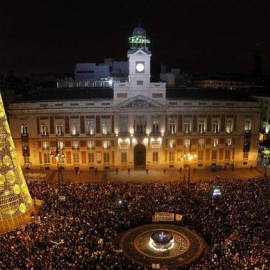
75 134
60 134
44 134
24 135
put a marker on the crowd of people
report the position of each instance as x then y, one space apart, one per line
82 230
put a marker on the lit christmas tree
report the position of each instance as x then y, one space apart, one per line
15 199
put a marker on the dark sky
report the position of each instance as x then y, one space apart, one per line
201 36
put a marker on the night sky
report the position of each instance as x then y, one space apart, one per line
199 36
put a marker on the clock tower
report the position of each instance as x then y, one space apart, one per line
139 60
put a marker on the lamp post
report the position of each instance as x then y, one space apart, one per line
58 155
188 158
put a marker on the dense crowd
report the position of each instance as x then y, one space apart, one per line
83 231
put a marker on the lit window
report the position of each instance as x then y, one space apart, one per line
106 157
45 145
44 130
200 155
106 144
75 145
46 158
24 129
124 157
76 158
215 127
214 154
229 126
91 144
105 124
155 127
172 143
247 125
90 127
123 124
59 131
187 142
171 156
215 142
155 156
187 127
91 157
201 142
201 127
75 128
172 127
228 141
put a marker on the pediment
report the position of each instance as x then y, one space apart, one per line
140 53
139 102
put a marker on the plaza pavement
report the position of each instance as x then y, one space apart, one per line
140 176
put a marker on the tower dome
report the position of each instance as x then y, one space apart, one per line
139 32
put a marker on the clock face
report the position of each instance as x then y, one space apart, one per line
140 67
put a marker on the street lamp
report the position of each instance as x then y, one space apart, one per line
59 156
188 158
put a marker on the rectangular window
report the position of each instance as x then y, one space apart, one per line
123 122
215 127
187 127
24 129
76 158
106 157
172 143
75 145
45 145
105 126
227 154
229 126
139 82
171 156
247 125
201 127
214 154
215 142
124 157
106 144
155 127
155 156
228 141
46 158
172 127
187 142
91 144
59 131
91 157
200 155
201 142
75 128
90 127
44 130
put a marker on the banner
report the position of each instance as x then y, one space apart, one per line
163 216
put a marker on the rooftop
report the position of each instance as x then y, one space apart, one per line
54 94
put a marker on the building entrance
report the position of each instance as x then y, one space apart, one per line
139 157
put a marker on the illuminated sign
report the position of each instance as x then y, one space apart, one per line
138 40
217 191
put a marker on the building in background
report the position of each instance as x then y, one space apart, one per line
136 124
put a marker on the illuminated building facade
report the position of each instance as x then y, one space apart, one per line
137 124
